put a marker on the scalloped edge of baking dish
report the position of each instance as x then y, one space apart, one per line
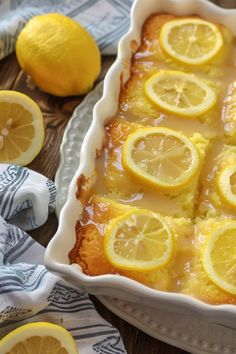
56 256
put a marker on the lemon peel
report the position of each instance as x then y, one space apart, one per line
60 55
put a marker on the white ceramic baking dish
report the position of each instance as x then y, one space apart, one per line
56 258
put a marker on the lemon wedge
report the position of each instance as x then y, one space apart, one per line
138 240
191 41
180 93
40 338
219 260
160 157
21 128
226 185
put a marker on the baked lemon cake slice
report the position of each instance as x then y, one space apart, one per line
156 167
135 242
211 276
184 73
228 114
218 195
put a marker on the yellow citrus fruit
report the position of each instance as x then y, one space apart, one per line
138 240
160 157
40 338
219 259
21 128
191 40
180 93
61 57
226 185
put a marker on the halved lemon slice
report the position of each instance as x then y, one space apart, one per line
226 185
219 257
21 128
191 41
40 338
180 93
139 240
160 157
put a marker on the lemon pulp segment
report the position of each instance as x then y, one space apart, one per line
180 93
138 240
21 128
192 41
219 257
160 157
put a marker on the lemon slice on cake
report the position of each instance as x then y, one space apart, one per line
191 40
21 128
40 338
139 240
160 157
226 185
219 260
180 93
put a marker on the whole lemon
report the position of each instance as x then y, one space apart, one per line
61 57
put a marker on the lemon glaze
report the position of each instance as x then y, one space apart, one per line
215 128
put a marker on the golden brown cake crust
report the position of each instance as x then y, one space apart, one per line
137 111
88 249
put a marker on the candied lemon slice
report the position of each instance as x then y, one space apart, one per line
219 257
160 157
180 93
226 185
139 240
21 128
40 338
191 41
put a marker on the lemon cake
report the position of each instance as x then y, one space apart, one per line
97 217
162 209
218 195
121 184
151 58
201 279
228 114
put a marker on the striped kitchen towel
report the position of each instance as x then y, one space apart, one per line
28 292
106 20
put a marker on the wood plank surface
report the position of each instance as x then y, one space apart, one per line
57 112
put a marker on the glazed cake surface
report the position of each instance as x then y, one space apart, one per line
191 212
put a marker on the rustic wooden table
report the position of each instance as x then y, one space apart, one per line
57 112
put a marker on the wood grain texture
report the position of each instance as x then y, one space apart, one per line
57 112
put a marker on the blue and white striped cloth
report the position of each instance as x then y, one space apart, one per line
106 20
28 292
